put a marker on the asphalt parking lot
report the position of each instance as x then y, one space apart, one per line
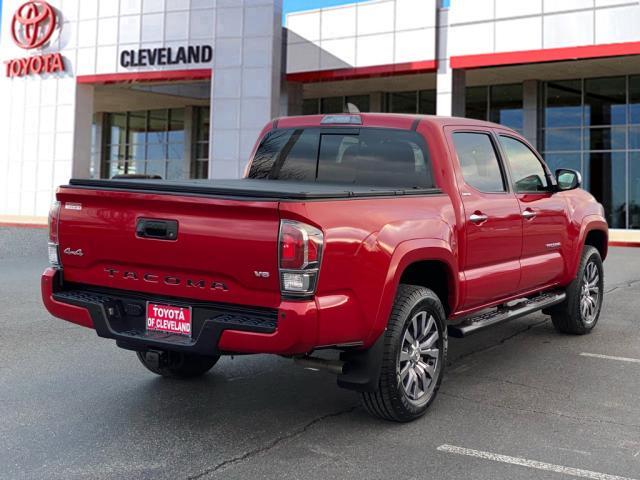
518 401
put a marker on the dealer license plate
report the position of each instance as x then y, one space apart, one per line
168 319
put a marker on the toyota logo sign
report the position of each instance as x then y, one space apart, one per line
33 24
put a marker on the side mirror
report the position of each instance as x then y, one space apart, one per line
568 179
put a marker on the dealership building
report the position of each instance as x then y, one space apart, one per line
181 88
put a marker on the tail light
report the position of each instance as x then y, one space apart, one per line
54 220
300 256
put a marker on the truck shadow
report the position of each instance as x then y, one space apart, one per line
262 394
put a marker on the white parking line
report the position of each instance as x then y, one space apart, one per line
523 462
609 357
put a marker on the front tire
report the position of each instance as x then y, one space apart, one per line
580 312
414 355
177 364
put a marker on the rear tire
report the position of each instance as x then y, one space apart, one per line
178 364
414 355
580 312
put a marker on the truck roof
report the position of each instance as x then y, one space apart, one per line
385 120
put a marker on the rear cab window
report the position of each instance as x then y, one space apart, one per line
376 157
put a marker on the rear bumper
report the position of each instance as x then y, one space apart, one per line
217 328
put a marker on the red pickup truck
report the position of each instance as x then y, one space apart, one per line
374 236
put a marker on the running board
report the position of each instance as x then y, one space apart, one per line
505 313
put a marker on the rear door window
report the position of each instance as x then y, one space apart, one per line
366 156
479 162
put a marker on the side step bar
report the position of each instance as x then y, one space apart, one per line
505 313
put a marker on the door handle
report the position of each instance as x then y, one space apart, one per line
478 218
529 214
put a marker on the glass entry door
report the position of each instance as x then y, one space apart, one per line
148 142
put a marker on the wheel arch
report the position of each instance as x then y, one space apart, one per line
429 263
432 274
599 239
594 231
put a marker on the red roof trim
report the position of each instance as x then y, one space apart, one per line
545 55
154 76
426 66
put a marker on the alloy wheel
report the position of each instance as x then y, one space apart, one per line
590 293
419 358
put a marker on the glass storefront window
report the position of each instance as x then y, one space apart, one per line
634 99
563 104
422 102
403 102
412 102
118 126
137 126
476 102
332 105
310 106
605 101
593 125
505 105
562 139
607 178
605 138
136 158
326 105
500 104
200 155
149 142
427 102
634 138
155 168
157 128
176 131
634 190
361 102
564 160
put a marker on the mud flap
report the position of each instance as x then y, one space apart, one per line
362 368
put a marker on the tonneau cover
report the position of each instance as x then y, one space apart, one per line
249 188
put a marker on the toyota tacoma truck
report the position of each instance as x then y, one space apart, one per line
373 236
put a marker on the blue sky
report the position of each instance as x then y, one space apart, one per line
298 5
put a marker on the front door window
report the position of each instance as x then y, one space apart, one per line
528 173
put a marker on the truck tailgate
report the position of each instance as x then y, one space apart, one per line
225 250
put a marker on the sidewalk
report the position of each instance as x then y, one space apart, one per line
23 221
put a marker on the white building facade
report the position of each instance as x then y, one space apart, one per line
181 88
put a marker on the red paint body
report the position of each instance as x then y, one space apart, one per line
368 244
